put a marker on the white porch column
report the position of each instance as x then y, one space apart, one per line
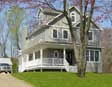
27 58
22 61
33 56
100 69
64 55
41 58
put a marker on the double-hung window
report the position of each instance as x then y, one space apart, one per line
55 33
65 34
90 36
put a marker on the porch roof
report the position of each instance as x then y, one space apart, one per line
48 45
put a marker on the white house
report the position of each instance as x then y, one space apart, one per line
49 46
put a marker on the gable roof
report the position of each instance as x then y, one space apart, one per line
60 16
49 11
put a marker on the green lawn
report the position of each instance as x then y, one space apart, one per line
64 79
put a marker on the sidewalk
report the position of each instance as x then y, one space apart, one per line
6 80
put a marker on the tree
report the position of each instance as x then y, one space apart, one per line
15 17
80 50
107 49
104 10
4 34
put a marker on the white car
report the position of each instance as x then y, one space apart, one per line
4 67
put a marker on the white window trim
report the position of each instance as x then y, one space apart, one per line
94 56
74 16
63 34
57 33
92 36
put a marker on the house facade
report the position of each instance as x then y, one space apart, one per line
49 44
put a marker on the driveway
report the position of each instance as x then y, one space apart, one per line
6 80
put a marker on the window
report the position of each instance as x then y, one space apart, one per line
65 34
92 55
30 57
56 54
37 55
96 55
73 19
87 55
55 34
90 35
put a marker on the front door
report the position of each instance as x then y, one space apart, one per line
69 56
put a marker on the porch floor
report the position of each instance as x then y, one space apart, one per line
45 67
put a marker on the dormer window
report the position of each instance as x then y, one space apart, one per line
73 16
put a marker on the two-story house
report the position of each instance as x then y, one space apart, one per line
49 45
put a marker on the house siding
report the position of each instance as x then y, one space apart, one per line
47 36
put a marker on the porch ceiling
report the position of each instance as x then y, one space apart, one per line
58 45
47 45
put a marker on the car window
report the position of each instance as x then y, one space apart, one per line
4 64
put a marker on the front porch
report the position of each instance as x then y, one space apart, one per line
49 58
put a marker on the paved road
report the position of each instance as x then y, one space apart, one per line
6 80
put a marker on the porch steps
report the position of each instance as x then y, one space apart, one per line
71 68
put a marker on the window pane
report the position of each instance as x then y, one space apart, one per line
56 54
72 13
87 55
96 55
37 55
54 33
90 36
72 18
30 57
91 55
65 35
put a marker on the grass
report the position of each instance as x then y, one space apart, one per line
64 79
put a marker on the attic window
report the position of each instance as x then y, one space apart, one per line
73 17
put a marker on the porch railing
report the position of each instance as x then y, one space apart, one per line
52 61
